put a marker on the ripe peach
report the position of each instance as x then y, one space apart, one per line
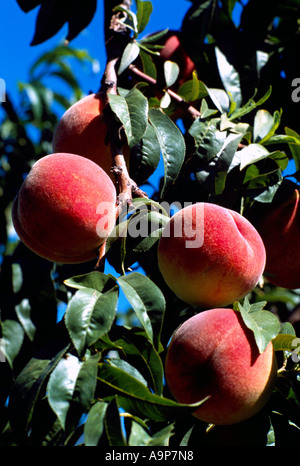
210 255
65 208
213 354
280 230
83 130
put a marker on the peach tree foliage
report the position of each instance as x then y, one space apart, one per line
95 376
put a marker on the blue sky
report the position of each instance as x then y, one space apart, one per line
17 28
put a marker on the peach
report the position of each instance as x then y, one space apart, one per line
83 130
65 208
213 354
210 256
280 232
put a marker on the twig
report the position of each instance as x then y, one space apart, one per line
117 37
185 105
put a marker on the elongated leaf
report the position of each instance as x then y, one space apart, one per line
86 381
250 106
128 368
132 111
23 311
113 427
27 389
133 343
294 147
251 154
147 157
61 386
136 398
172 146
229 76
130 53
147 301
12 336
171 72
139 437
144 10
94 425
94 280
90 315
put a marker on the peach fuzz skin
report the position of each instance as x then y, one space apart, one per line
83 130
213 354
55 211
280 231
226 267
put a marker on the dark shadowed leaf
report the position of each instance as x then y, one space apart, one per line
82 12
27 5
52 15
172 146
147 301
94 425
61 386
136 398
113 427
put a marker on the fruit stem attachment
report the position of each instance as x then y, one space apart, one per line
117 35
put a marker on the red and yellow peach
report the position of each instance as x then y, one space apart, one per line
214 355
65 208
210 255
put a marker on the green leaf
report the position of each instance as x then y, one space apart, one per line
147 301
224 159
94 280
89 315
208 139
23 311
139 436
61 386
132 111
112 422
12 336
147 156
133 342
172 146
264 324
265 125
287 340
229 77
94 425
135 398
148 65
294 147
128 368
86 381
144 10
251 154
193 89
131 52
171 72
250 106
28 388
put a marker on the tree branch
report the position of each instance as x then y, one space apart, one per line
185 105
